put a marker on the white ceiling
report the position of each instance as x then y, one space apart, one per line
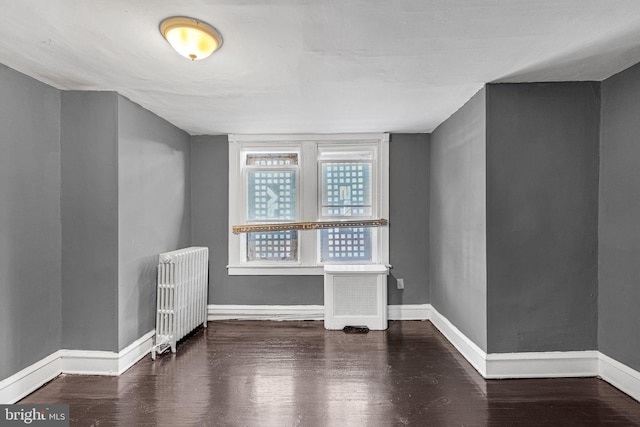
317 66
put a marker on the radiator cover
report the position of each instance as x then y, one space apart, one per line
355 295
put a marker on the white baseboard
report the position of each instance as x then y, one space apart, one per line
85 362
548 364
409 312
619 375
30 378
265 312
106 362
89 362
469 350
304 312
131 354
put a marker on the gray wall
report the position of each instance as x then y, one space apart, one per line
542 216
457 253
619 218
154 210
92 188
210 222
409 163
30 248
89 221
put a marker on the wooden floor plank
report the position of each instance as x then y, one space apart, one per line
258 373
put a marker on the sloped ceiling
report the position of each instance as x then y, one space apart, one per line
317 66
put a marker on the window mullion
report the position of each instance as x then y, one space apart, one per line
308 197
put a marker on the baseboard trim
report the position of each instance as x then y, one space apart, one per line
619 375
265 312
89 362
304 312
85 362
131 354
30 378
469 350
409 312
108 363
550 364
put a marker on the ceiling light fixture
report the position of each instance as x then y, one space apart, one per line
191 38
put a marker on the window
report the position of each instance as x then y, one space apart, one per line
276 179
346 182
271 198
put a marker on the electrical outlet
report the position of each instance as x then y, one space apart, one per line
400 283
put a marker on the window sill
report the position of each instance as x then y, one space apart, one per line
313 270
279 270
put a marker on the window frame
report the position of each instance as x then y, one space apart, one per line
245 171
310 149
350 153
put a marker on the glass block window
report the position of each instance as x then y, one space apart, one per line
272 246
271 195
345 244
346 189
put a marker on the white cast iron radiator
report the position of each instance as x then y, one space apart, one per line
355 295
182 295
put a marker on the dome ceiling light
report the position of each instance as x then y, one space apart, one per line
190 37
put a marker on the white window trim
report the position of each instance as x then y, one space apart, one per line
308 244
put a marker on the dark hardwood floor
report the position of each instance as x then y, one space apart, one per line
258 373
